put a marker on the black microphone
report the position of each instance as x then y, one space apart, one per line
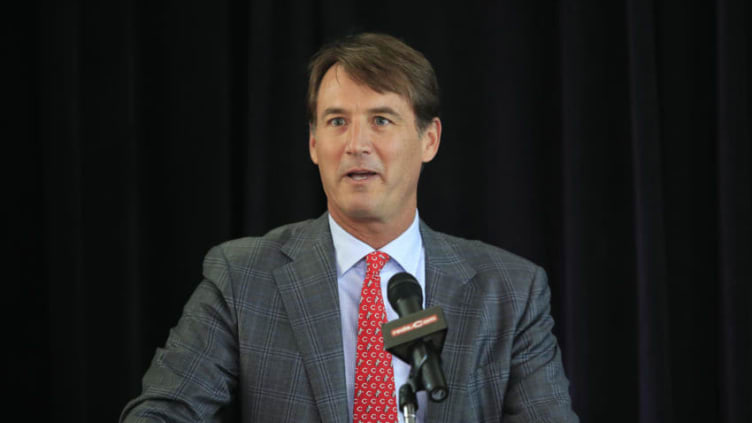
404 294
417 337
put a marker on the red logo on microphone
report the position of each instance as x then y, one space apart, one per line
415 325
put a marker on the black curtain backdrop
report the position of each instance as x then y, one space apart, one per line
609 142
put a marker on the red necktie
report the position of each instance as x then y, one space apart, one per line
374 377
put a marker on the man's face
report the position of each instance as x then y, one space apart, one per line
368 150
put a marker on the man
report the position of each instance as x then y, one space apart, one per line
278 322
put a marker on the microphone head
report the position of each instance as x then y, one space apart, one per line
403 285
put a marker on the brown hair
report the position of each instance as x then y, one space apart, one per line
385 64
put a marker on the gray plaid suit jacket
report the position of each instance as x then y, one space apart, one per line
263 328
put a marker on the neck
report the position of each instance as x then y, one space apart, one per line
376 233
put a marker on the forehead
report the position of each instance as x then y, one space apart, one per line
338 89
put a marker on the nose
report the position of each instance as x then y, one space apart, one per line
358 141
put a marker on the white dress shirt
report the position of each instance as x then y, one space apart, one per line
407 255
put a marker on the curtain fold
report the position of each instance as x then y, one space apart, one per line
654 384
734 150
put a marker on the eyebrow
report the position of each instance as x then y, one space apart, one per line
384 111
333 111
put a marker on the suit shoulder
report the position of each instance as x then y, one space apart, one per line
477 252
265 250
494 266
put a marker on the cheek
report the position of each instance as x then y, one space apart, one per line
329 159
408 161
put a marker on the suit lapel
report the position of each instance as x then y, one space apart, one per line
308 286
447 276
446 271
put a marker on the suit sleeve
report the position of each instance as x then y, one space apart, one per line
194 376
538 389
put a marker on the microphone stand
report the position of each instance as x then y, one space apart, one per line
408 404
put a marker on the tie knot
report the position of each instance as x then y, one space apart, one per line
376 261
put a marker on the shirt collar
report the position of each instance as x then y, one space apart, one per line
405 250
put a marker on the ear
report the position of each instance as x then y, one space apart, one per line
431 139
312 143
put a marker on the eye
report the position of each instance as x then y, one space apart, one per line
338 121
381 121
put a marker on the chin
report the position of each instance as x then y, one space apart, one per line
360 212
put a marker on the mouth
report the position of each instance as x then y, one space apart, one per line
360 175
